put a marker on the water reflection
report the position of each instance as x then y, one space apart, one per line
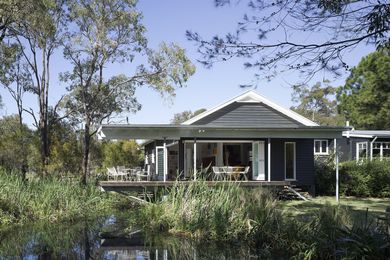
106 238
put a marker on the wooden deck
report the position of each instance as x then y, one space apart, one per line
137 185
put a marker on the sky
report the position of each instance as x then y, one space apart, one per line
168 20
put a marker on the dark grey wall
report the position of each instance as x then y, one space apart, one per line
248 114
304 160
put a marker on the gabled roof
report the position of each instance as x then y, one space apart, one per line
367 133
253 97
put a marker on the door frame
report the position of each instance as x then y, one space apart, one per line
295 161
164 159
260 177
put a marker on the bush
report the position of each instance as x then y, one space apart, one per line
371 178
363 179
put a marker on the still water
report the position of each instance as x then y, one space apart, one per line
108 238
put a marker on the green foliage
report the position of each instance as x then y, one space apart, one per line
14 143
121 153
317 103
363 179
234 215
226 212
179 118
364 99
49 199
370 179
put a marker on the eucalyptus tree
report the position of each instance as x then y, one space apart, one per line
34 29
318 103
275 36
106 32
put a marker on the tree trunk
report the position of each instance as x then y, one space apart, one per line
86 144
22 142
43 132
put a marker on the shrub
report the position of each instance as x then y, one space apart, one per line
370 178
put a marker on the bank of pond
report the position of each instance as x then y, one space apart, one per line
57 218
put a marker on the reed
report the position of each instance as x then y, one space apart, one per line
49 199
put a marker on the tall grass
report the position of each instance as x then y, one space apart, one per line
231 214
225 212
48 199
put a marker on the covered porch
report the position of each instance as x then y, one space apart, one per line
188 152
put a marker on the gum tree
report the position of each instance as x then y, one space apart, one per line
275 36
105 32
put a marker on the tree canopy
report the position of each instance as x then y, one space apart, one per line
317 103
111 31
365 97
179 118
307 36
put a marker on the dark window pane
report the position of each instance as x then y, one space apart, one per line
324 146
317 146
290 160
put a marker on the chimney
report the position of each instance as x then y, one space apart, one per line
347 123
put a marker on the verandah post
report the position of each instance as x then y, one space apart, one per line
194 159
269 159
336 154
165 169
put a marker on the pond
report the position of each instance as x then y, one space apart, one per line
109 238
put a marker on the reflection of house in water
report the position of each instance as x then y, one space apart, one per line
132 248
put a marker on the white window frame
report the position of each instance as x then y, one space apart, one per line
357 151
381 143
295 162
321 152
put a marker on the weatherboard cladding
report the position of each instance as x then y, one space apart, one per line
304 160
244 114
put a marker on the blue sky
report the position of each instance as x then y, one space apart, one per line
168 20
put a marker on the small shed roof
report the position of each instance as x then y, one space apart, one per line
367 133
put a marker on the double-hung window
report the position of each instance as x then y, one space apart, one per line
321 147
381 150
361 151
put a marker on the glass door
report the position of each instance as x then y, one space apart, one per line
258 161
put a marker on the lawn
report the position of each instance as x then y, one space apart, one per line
358 206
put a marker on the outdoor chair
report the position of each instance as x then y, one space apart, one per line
111 173
219 173
245 173
142 175
122 172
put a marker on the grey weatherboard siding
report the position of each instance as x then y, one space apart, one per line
304 160
243 114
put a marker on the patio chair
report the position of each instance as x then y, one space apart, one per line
245 173
122 172
219 173
142 175
111 173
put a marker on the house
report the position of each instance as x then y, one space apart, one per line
357 145
248 130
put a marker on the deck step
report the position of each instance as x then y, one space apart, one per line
293 193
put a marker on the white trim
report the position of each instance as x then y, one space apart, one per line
321 152
156 161
269 159
349 134
219 141
357 150
195 157
295 161
252 96
165 160
336 153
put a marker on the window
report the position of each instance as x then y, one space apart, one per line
361 151
321 147
381 150
289 160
